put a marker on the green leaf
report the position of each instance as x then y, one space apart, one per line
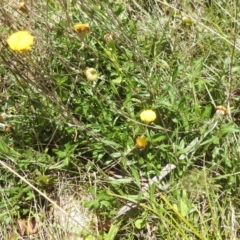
121 181
117 80
107 204
112 233
229 128
183 208
206 114
92 204
140 223
136 176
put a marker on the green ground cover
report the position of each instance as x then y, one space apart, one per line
74 127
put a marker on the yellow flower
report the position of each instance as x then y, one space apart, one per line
91 74
20 41
81 29
141 142
148 116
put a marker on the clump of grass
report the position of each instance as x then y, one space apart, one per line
135 101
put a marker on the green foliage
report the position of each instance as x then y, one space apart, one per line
178 59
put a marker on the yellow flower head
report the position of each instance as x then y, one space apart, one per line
91 74
81 29
148 116
141 142
20 41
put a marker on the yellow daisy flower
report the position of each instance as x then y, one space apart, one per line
148 116
141 142
81 29
20 41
